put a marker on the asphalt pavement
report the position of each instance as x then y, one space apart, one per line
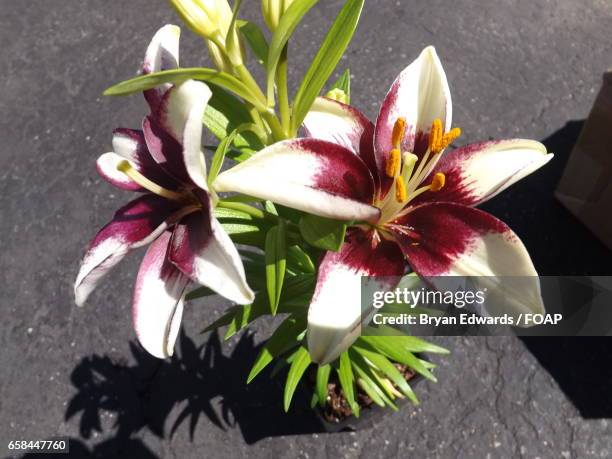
516 69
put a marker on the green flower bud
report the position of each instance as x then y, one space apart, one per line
338 95
273 10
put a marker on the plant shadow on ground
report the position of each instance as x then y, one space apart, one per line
561 245
162 396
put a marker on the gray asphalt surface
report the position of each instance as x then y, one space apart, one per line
516 68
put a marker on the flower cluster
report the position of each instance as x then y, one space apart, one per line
346 199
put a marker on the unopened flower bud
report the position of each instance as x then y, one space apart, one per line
273 10
200 15
338 95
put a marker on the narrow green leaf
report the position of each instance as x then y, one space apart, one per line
323 233
388 346
219 157
247 314
321 385
223 148
326 60
314 400
299 260
296 371
286 26
276 263
177 76
411 343
386 367
256 40
285 337
347 382
242 227
370 381
344 83
270 208
283 361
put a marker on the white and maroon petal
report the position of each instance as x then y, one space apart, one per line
338 123
134 225
129 144
162 54
311 175
174 132
447 239
202 250
158 300
106 165
420 94
344 125
476 173
335 314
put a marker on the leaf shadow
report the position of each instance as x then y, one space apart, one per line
166 397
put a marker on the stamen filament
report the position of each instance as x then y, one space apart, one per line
125 167
436 185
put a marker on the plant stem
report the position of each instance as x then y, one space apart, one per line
283 96
275 125
250 82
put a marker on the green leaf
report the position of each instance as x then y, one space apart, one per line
242 227
286 26
223 148
326 60
219 157
321 384
247 314
223 114
411 343
270 208
389 346
286 336
347 382
177 76
276 263
256 40
299 260
296 371
323 233
386 367
370 381
344 83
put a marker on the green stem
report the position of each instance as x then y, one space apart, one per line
283 93
275 125
256 117
250 82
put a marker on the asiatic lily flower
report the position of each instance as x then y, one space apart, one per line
173 213
414 204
